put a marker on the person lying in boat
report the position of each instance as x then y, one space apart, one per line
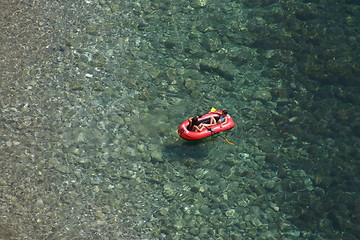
195 125
221 120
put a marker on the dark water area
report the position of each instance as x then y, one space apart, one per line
92 93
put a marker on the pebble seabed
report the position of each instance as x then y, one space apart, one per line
92 92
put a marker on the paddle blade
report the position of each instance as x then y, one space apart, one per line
213 109
228 141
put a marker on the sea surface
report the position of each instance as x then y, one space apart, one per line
92 93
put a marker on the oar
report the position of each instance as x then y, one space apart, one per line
220 136
226 140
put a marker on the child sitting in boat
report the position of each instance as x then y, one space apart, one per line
194 124
221 120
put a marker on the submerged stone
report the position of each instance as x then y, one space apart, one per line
262 95
92 28
75 85
212 42
157 156
189 84
198 3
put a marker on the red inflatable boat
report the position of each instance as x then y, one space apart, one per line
195 135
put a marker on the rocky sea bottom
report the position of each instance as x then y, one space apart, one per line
92 93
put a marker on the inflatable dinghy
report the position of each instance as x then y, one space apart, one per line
187 134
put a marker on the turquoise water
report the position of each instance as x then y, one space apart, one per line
92 93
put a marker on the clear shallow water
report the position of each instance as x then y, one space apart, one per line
92 93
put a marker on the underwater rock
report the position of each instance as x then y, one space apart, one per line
322 181
267 147
257 188
157 156
127 174
326 225
189 84
293 233
273 73
282 172
255 211
39 204
263 95
62 169
273 158
198 3
7 233
76 85
306 12
3 182
194 231
170 190
257 3
200 173
92 28
274 206
97 86
241 55
223 69
212 42
178 225
194 48
171 75
270 185
144 95
163 211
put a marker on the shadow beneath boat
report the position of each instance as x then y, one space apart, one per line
185 151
